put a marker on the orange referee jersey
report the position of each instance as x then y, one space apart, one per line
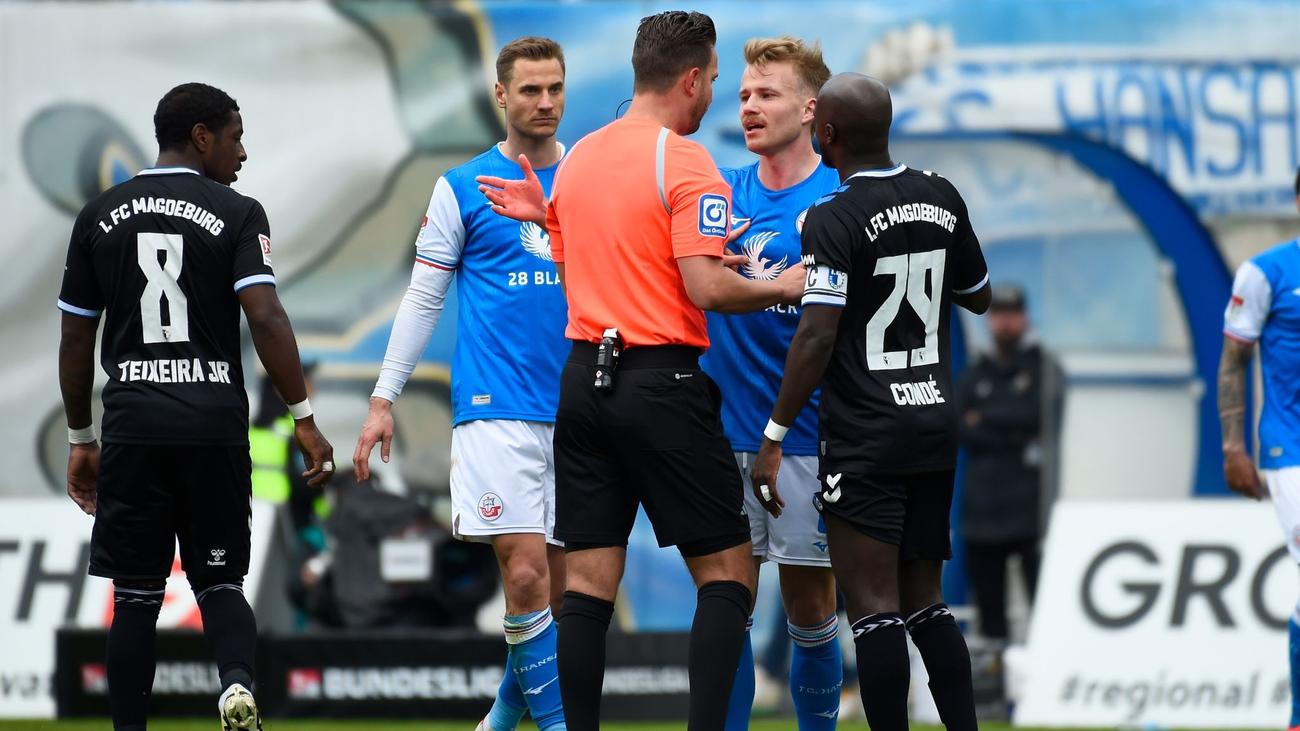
628 201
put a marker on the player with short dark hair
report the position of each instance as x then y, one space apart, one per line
668 44
641 255
168 259
886 254
510 347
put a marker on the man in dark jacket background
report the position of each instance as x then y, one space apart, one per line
1010 401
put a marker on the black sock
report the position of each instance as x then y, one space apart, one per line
231 631
580 652
717 637
131 654
947 660
884 674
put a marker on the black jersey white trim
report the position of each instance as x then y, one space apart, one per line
82 311
255 279
167 171
976 288
880 173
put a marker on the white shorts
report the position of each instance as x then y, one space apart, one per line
798 537
502 479
1284 488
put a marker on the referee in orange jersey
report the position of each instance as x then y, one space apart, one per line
638 220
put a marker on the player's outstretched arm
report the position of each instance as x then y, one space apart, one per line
1238 467
522 200
77 381
278 351
805 364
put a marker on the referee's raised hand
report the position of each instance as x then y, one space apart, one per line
316 451
521 200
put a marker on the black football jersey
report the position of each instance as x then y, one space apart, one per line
891 247
162 256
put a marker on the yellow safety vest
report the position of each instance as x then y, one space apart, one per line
269 449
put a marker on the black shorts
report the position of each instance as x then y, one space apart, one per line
906 510
151 496
656 440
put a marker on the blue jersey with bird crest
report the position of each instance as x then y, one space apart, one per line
747 352
510 342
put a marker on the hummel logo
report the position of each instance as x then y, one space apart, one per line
538 689
832 495
873 626
218 557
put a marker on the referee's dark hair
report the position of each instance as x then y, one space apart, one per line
667 45
187 105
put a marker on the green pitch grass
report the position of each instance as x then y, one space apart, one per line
212 725
765 724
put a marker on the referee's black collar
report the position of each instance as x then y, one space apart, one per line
879 172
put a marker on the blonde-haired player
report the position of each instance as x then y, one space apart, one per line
778 93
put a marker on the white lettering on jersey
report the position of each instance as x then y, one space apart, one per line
168 207
909 213
921 393
185 370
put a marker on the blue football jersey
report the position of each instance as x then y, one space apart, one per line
510 343
1265 307
747 352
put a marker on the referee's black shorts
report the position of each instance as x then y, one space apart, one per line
151 497
656 440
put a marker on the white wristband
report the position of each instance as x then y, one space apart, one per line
84 435
301 410
775 431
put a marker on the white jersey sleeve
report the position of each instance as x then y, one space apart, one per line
437 256
1252 296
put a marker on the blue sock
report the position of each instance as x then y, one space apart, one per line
816 675
742 690
1293 629
509 705
532 661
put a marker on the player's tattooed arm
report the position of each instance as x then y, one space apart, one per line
1238 467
